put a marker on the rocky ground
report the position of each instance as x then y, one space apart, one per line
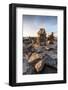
39 59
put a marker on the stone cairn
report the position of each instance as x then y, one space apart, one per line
41 39
51 38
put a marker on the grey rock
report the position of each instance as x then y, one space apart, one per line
27 68
50 61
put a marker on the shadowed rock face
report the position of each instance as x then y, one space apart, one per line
51 38
27 68
39 57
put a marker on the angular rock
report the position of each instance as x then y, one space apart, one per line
39 65
35 57
28 55
51 38
50 61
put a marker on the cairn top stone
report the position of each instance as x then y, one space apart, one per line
41 31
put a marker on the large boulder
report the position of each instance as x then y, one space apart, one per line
35 57
51 61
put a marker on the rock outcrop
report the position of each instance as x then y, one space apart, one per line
37 53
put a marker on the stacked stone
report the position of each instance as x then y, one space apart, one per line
51 38
41 39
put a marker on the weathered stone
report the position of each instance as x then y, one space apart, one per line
27 40
51 61
36 45
39 51
46 48
51 38
35 57
39 65
27 68
41 39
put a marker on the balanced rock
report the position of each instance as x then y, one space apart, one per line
41 39
51 38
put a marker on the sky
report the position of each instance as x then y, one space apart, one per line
32 24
